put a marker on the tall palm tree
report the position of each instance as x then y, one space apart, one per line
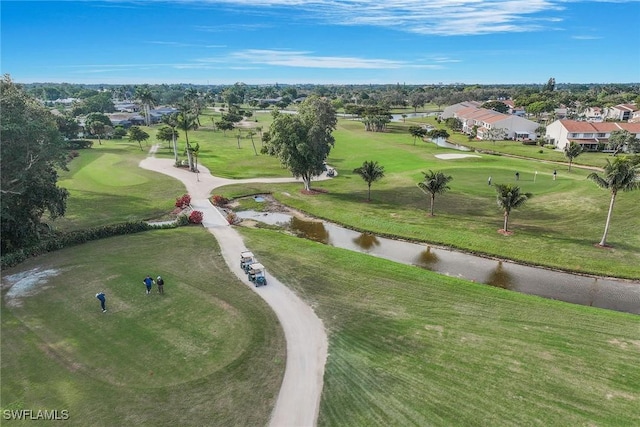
572 151
371 172
144 95
621 175
186 121
434 183
171 120
510 197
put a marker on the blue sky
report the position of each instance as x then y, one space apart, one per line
321 41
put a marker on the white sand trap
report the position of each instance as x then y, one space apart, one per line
26 283
455 156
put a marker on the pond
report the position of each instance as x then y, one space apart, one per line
608 293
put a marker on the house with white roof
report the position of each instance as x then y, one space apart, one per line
592 136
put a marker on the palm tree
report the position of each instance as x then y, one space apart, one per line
186 121
417 132
138 135
371 172
510 197
251 134
621 175
171 120
572 151
434 183
144 95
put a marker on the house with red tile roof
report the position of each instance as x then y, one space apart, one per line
592 136
490 123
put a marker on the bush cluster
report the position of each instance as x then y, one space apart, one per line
195 217
183 201
232 218
218 200
77 144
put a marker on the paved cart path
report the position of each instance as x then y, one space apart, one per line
298 402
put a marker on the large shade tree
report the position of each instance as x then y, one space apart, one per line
510 197
303 141
434 183
370 172
98 124
572 151
32 151
623 140
622 174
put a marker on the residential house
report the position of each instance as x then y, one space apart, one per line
513 109
487 121
593 114
592 136
621 112
451 109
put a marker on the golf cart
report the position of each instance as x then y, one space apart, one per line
257 274
246 258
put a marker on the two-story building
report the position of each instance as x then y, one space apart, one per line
590 135
490 124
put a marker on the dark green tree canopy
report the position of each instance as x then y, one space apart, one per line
303 141
32 151
498 106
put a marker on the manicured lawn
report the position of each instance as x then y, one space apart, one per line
409 347
207 352
556 228
107 186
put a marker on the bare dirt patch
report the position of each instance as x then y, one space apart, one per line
26 283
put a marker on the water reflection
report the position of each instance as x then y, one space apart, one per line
313 230
366 241
427 259
613 294
500 277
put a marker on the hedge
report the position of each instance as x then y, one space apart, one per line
64 240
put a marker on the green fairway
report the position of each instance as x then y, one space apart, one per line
556 228
207 352
409 347
107 186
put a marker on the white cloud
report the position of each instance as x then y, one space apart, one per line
289 58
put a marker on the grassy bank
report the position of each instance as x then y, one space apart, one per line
409 347
557 228
207 352
107 186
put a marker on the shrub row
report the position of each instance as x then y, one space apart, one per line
64 240
76 144
184 201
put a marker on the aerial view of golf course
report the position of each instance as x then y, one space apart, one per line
400 343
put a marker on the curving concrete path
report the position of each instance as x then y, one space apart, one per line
298 402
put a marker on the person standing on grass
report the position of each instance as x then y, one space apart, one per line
103 301
148 282
517 176
160 283
555 173
489 181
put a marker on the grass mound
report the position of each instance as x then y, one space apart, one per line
208 351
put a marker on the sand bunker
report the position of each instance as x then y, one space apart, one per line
454 156
26 283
